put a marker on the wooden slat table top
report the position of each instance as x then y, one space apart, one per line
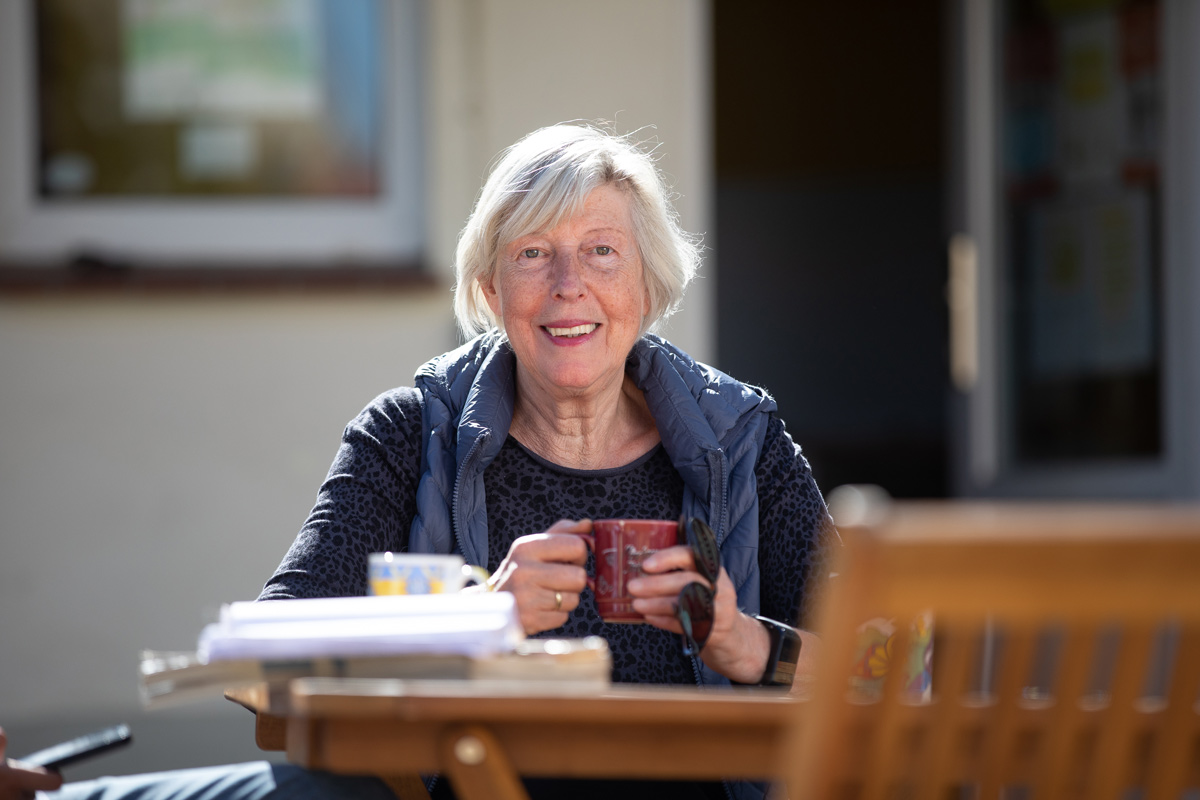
481 701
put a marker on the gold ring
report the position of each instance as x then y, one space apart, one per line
558 601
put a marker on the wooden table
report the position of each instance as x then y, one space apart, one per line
483 738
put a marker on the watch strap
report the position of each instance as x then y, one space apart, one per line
783 655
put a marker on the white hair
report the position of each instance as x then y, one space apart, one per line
545 178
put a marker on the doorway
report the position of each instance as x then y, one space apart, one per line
830 234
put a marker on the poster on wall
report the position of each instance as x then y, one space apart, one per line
1090 287
209 98
183 59
1081 112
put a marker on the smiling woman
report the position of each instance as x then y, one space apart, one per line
562 409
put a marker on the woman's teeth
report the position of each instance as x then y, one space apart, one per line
570 333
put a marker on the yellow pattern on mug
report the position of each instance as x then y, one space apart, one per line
420 573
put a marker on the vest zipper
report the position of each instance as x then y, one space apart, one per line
455 521
723 522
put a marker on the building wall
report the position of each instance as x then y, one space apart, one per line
159 453
503 68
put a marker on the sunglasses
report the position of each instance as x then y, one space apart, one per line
695 608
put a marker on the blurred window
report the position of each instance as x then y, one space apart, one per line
221 98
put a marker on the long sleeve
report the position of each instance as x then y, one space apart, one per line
365 505
796 534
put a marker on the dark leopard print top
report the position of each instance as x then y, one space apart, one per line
367 504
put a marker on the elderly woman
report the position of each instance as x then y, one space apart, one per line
563 409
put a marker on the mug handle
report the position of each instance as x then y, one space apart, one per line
474 575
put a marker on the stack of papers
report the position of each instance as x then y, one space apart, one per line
475 640
547 666
472 625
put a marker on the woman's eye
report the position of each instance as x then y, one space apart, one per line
603 250
531 252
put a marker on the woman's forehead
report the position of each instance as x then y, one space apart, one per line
608 207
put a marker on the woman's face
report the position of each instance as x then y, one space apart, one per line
572 299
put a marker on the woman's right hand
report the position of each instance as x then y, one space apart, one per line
19 782
545 572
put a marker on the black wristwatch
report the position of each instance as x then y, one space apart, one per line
783 655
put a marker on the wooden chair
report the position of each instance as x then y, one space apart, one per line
1066 656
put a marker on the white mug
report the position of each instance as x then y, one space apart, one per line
420 573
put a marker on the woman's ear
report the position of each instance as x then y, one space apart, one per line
488 287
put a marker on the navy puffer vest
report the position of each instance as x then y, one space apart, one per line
712 428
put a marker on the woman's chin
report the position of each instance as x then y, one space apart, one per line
574 384
572 381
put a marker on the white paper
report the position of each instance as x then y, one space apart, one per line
1092 301
1091 109
467 624
218 151
186 58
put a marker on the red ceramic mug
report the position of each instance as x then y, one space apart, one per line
621 545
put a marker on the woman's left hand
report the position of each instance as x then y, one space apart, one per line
736 648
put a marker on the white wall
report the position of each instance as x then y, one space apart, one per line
157 457
158 454
503 68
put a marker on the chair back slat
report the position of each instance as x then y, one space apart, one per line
1001 753
885 744
1048 640
1118 737
879 742
1064 729
946 719
1177 759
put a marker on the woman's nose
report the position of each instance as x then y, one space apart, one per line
568 277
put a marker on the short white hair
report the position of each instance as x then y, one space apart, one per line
545 178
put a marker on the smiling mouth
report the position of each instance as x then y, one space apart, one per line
572 332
